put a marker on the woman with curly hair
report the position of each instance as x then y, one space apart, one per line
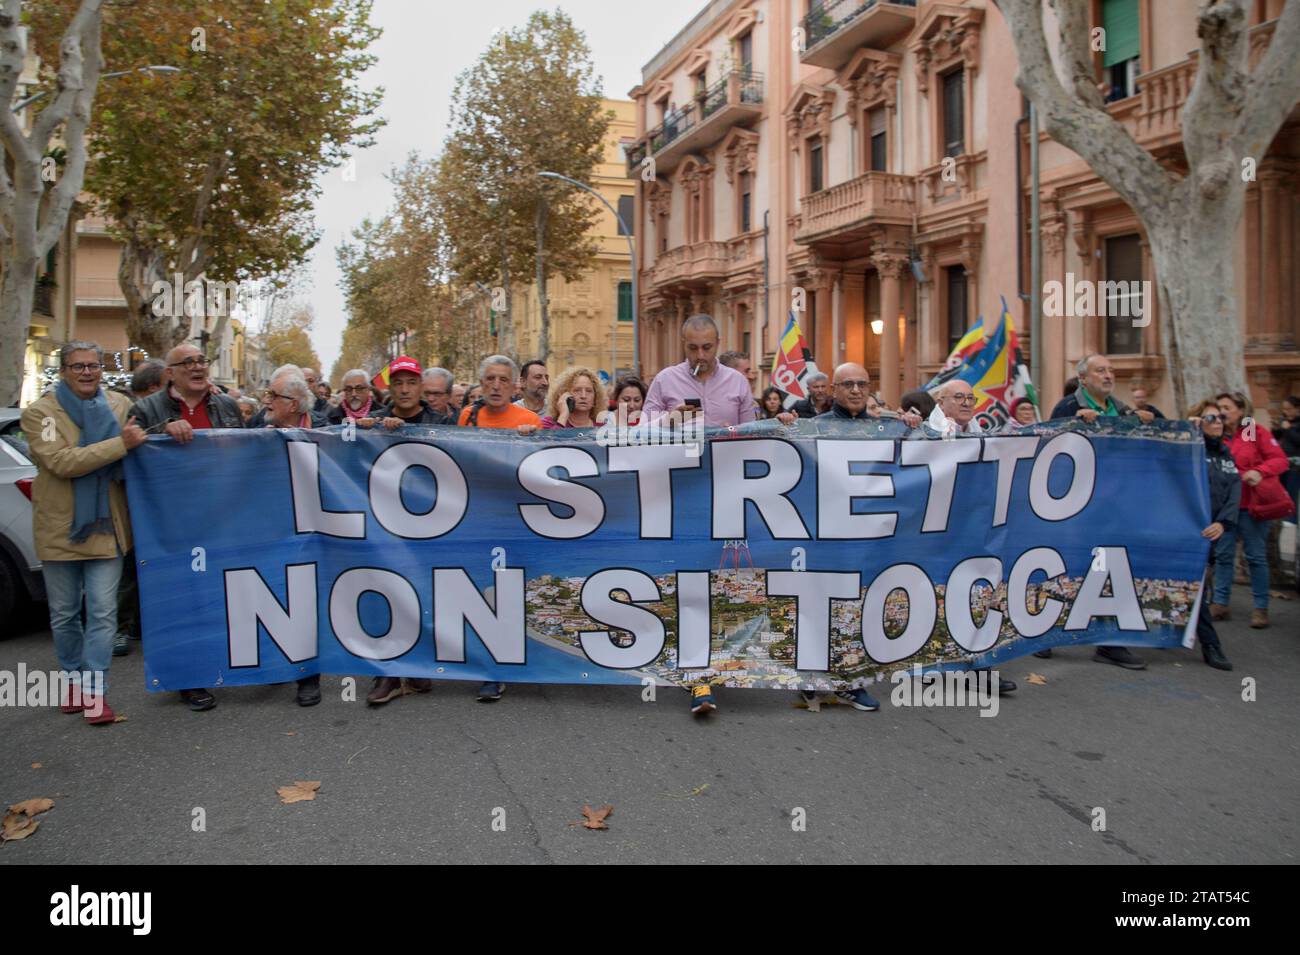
575 396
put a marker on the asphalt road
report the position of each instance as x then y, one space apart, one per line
1186 771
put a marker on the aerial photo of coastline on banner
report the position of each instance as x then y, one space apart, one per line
815 556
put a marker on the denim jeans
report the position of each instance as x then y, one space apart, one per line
87 647
1254 539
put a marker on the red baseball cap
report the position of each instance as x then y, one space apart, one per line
404 363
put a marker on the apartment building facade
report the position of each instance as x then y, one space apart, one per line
866 163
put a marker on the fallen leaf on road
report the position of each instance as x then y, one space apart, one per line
298 792
120 718
36 765
596 817
17 826
1037 679
19 822
291 733
33 807
699 789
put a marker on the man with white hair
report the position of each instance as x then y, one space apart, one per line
495 409
292 402
358 401
497 375
1095 396
436 384
291 407
954 409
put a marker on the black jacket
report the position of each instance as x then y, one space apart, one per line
426 416
1288 436
805 408
1069 406
1225 483
154 412
841 413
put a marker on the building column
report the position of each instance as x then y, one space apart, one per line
1051 377
890 267
853 328
1268 320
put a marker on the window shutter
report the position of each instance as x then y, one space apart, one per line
1119 18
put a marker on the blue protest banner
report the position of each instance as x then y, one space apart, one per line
817 556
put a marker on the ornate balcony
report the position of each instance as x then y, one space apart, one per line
1154 114
851 209
734 99
835 29
695 265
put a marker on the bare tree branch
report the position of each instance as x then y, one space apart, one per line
79 66
1075 31
68 187
1274 87
1101 141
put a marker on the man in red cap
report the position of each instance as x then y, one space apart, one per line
406 405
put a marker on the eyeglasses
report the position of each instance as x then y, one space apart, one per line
361 388
1211 418
82 367
962 399
273 395
856 385
191 363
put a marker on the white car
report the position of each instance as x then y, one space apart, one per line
20 570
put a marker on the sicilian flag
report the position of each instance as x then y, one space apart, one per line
380 380
990 360
793 363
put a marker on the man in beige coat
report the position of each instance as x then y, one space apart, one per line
79 433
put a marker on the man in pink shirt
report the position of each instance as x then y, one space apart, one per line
700 384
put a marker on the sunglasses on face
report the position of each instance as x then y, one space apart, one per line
1211 418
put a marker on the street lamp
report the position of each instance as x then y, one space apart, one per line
631 251
23 104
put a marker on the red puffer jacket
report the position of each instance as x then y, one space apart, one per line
1267 499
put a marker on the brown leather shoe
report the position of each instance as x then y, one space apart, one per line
1218 611
1258 619
386 688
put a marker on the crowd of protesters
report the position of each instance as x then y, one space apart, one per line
79 432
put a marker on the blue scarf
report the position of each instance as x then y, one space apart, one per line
91 512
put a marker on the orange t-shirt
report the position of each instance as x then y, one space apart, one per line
511 416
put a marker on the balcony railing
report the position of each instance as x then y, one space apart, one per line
43 303
849 24
1154 113
846 209
735 97
695 263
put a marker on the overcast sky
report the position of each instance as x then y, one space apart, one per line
425 44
